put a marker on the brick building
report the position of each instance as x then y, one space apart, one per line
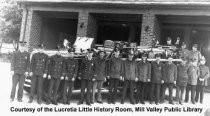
50 21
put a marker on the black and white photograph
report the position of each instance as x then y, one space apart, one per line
105 57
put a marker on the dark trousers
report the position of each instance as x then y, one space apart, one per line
17 79
199 92
130 84
155 92
113 84
36 84
141 86
170 87
53 88
179 93
188 89
85 84
67 91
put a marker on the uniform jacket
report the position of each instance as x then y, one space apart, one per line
144 71
130 71
204 74
115 68
193 73
39 64
194 55
182 74
20 62
100 72
169 73
156 72
87 69
56 67
70 68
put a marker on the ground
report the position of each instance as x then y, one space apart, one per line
6 105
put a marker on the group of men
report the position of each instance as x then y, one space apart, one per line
191 74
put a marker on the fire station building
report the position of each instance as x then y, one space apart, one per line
51 21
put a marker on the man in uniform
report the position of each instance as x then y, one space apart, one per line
156 80
19 69
169 79
182 78
193 74
115 75
86 75
144 76
100 76
38 71
130 73
202 80
184 53
56 74
71 68
194 54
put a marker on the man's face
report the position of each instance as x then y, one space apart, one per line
130 57
41 49
22 48
158 59
144 58
183 46
116 54
194 48
71 54
184 62
102 54
202 62
170 60
168 42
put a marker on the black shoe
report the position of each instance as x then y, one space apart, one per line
68 102
180 103
91 102
161 102
172 103
133 103
142 102
39 102
122 102
193 102
20 100
48 102
30 101
88 103
186 101
55 102
12 99
156 103
100 102
79 103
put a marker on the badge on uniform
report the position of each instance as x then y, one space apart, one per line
92 64
26 57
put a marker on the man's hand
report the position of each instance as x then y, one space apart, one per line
108 77
31 74
49 77
73 79
201 79
66 78
174 82
44 75
162 81
105 80
26 74
93 79
136 79
12 72
121 78
62 78
148 80
79 78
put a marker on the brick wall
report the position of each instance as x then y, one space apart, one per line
150 28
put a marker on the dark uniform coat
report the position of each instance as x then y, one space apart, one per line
144 71
193 73
156 72
204 74
182 74
184 53
100 69
115 68
195 55
20 62
169 73
87 69
130 71
71 68
39 64
56 67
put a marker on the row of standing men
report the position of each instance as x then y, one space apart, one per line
93 72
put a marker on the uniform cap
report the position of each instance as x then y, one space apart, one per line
144 55
183 44
22 43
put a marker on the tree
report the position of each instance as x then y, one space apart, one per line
10 21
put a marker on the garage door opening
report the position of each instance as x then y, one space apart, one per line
118 27
57 26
